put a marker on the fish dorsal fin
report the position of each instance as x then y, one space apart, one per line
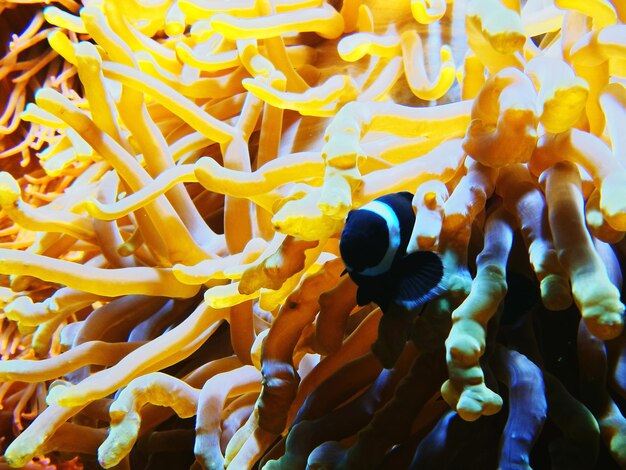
420 276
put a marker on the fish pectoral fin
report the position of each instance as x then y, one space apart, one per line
420 279
363 296
378 290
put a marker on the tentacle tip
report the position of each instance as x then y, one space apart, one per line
474 404
555 293
53 397
43 95
9 189
104 461
15 459
607 326
57 395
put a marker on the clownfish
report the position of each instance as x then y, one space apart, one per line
373 247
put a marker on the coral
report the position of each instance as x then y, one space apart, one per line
175 178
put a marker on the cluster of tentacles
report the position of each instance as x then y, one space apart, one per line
176 177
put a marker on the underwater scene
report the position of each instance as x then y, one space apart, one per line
312 234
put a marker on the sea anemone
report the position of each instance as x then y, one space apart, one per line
176 177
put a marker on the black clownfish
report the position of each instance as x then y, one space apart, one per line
373 249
